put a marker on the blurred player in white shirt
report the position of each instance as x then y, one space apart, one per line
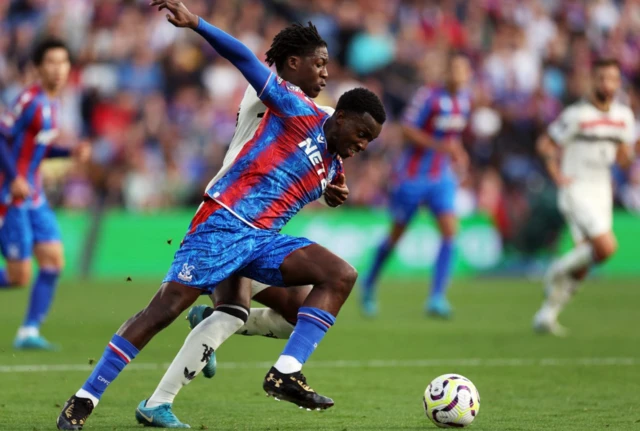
579 149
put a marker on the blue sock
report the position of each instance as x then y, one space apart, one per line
118 353
312 324
381 256
42 294
442 271
4 279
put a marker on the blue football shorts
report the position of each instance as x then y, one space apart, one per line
437 195
23 227
218 244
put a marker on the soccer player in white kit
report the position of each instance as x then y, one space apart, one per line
579 149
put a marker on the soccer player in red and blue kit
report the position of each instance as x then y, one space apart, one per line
294 154
27 224
425 175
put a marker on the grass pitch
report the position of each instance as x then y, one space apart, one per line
376 370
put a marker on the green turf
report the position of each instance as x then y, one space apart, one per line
492 323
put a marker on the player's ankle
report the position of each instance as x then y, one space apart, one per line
288 364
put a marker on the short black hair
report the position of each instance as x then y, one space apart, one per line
605 62
45 45
360 100
294 40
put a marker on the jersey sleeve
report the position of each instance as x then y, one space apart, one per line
417 112
563 128
285 99
25 110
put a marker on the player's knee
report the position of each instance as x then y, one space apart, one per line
346 278
605 249
448 227
19 277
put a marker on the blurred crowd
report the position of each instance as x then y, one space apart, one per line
159 105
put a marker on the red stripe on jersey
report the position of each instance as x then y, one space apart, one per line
208 207
414 162
267 160
436 164
602 122
288 199
429 123
29 143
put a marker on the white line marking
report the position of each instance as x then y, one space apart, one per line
473 362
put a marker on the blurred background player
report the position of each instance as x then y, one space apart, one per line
28 225
425 176
579 149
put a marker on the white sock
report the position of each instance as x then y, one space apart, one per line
28 331
266 322
576 259
196 351
288 364
84 394
561 292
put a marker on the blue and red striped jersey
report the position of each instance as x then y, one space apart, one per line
441 115
286 164
30 128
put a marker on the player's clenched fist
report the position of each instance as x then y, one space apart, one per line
181 15
337 193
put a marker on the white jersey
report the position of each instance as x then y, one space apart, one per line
590 139
250 114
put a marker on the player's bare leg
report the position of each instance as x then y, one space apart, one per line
369 305
18 273
167 304
437 304
332 279
563 278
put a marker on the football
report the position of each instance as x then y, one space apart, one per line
451 401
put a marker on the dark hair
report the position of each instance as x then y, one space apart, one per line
605 62
41 49
360 100
293 40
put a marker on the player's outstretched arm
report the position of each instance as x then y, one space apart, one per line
226 45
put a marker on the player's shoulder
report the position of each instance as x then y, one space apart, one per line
424 93
576 109
33 94
622 109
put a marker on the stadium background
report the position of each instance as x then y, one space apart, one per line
158 106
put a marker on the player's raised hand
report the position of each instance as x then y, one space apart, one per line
182 17
20 188
337 193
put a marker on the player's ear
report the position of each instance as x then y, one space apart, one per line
340 116
293 62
